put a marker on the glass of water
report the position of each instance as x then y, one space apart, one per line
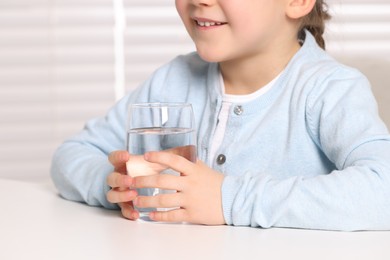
166 127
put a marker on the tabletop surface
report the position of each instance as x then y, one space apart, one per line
38 224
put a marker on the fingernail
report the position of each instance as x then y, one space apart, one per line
134 215
133 193
128 180
132 183
135 201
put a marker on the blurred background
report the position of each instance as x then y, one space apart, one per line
63 62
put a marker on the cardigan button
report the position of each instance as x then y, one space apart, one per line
238 110
221 159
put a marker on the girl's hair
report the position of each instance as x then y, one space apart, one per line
314 22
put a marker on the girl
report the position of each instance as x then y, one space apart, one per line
287 136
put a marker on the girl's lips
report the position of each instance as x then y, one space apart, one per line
202 22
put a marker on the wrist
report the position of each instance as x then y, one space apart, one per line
229 190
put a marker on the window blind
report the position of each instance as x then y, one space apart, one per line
56 71
359 35
154 35
58 64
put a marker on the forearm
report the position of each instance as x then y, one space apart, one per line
355 198
79 172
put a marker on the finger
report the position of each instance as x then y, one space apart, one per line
116 196
137 166
173 161
161 181
116 179
187 151
118 159
160 201
128 211
176 215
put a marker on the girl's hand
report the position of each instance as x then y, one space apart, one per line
120 184
198 195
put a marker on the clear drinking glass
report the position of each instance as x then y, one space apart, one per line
158 127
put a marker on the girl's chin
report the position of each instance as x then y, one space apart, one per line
211 57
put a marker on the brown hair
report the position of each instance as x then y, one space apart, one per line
314 22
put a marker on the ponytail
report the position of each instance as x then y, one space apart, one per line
314 22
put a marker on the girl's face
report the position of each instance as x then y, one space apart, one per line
224 30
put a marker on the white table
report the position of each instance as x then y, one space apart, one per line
37 224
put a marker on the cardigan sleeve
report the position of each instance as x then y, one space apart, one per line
80 165
343 120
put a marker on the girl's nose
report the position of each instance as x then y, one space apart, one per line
203 2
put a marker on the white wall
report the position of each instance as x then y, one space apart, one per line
57 64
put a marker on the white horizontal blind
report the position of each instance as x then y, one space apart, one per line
56 71
359 36
57 64
360 27
154 35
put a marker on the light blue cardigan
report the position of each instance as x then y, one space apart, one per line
310 153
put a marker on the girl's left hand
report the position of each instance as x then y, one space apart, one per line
198 197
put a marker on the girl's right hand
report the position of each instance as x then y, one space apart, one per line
121 184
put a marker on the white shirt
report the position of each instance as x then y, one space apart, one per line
227 101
